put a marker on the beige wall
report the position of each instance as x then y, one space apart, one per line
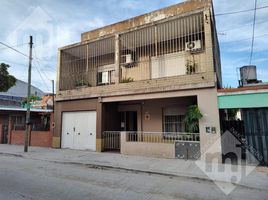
154 108
170 12
72 106
161 150
207 103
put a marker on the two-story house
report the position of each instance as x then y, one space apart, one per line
141 75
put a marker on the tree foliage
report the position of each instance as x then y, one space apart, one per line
31 98
191 119
6 80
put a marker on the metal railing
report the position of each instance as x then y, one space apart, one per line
160 137
111 140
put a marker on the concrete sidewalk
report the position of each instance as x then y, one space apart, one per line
258 178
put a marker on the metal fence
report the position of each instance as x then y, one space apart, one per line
111 140
34 127
161 137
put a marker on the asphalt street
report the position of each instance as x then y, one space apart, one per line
26 178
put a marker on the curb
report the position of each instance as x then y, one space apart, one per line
130 170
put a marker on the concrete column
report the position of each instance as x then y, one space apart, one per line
56 137
58 72
210 143
99 142
208 42
123 145
51 128
117 59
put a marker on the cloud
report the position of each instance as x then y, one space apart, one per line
56 23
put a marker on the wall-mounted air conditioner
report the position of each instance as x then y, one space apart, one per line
193 45
127 59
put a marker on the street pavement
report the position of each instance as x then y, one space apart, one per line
45 173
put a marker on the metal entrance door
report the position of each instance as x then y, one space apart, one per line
4 134
79 130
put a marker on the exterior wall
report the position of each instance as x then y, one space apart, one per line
160 150
210 144
206 59
149 18
155 109
243 100
200 80
72 106
37 138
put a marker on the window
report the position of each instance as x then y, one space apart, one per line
105 77
174 123
18 122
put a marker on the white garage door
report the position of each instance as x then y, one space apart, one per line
79 130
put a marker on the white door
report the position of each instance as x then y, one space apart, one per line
82 126
67 137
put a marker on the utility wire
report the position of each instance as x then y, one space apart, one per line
239 26
37 61
253 33
35 66
19 45
39 72
14 49
240 11
259 36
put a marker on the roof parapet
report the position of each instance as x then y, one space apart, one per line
148 18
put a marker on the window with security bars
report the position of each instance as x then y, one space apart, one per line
174 123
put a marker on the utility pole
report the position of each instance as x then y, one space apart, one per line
28 121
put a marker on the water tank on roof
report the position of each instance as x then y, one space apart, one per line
248 75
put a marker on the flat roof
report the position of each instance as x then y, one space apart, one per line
243 89
147 18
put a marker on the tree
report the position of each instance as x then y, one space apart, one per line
6 80
192 117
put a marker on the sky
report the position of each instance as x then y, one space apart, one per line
55 24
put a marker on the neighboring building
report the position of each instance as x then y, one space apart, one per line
17 93
244 113
12 117
138 77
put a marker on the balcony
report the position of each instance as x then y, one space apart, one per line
165 53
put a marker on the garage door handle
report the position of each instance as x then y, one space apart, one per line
78 133
90 133
67 133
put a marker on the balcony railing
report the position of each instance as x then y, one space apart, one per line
161 137
160 50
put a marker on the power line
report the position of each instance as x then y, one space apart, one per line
240 11
14 49
8 62
253 33
19 45
35 66
259 36
39 72
39 63
239 26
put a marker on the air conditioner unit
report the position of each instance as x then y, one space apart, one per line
127 59
193 45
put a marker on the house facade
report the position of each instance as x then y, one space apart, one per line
137 78
13 116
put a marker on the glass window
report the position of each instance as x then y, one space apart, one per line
174 123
